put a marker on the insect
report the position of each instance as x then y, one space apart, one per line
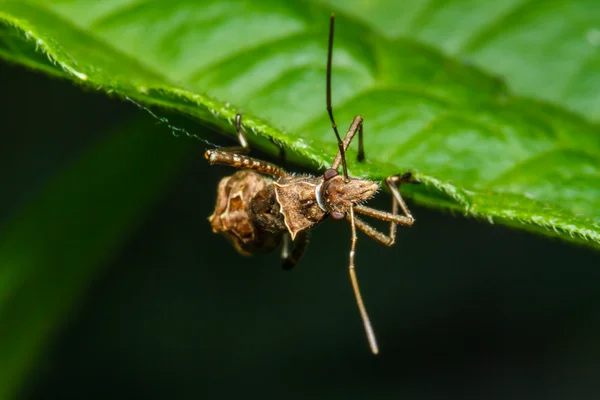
262 207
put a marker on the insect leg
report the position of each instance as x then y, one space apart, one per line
235 156
235 160
290 258
373 233
361 148
355 127
393 183
243 148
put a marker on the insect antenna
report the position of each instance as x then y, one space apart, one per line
363 313
329 108
359 301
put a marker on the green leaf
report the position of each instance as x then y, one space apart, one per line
547 50
51 252
423 75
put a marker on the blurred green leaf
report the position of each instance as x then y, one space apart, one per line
479 148
53 249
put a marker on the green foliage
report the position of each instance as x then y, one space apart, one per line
480 148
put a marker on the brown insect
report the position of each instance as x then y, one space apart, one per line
262 206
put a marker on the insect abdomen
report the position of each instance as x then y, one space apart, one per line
235 216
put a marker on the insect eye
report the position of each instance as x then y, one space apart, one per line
338 215
329 173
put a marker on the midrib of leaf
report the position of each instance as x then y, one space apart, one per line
476 200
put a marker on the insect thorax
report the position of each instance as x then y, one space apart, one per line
297 198
247 213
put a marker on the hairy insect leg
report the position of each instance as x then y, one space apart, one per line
234 156
244 147
359 301
235 160
393 183
289 259
373 233
361 148
355 127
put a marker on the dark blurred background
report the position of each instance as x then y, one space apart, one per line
460 307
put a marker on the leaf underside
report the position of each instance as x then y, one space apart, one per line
492 105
